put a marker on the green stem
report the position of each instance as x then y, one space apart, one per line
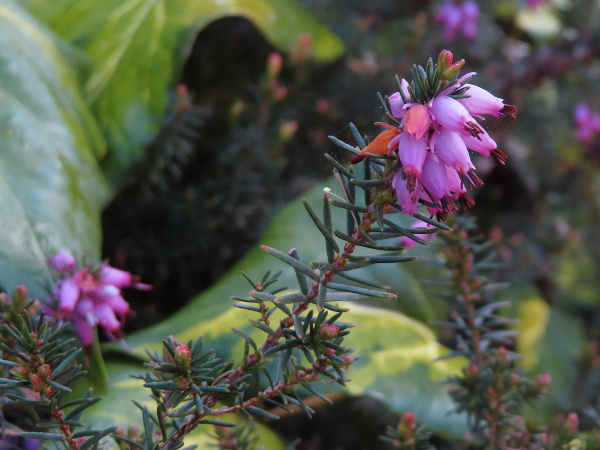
97 372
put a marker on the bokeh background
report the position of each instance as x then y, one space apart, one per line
206 118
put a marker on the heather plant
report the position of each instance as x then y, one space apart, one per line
187 382
291 341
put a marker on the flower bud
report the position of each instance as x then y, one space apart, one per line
288 129
501 353
183 355
19 297
572 422
407 423
515 379
45 370
473 370
20 372
37 383
453 70
543 380
274 65
328 332
445 59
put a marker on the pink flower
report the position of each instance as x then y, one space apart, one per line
587 123
435 134
396 102
458 17
480 101
90 297
452 150
409 200
63 261
451 114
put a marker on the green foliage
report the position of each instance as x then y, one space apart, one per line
51 140
41 369
397 364
51 189
137 49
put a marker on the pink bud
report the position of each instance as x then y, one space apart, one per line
544 380
62 262
572 422
274 65
183 355
328 332
37 383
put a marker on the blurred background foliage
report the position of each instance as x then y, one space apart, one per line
207 139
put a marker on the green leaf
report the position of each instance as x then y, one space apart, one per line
51 189
550 340
137 48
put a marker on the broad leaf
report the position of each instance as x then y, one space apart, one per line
51 189
138 47
550 341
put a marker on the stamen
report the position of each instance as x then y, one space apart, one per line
499 155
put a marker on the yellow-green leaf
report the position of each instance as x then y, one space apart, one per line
137 49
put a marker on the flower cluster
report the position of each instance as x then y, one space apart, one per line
90 296
587 122
434 128
458 17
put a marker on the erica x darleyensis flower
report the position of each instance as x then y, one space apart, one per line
458 16
436 127
90 296
587 122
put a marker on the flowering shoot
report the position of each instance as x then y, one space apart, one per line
435 120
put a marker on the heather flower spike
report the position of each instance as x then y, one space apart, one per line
435 125
90 296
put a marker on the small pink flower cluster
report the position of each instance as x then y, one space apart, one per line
436 128
458 17
90 297
587 122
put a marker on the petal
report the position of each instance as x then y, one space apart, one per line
451 114
408 200
452 150
116 277
116 302
63 262
470 11
481 101
482 144
417 121
582 113
68 295
85 331
435 177
412 152
106 317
